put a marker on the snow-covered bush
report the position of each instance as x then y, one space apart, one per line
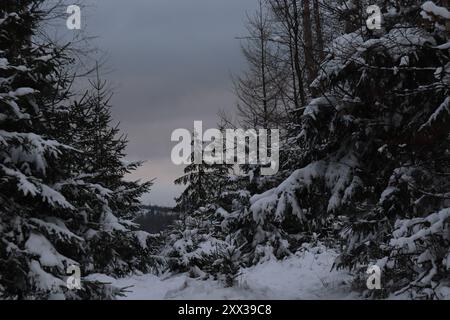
419 260
200 243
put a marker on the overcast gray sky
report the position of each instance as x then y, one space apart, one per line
171 62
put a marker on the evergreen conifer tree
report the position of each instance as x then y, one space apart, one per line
372 149
60 205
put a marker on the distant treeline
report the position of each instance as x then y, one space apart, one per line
156 218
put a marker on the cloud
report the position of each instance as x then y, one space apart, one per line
171 62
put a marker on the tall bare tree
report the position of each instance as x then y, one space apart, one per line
288 30
259 89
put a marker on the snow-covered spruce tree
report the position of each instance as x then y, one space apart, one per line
373 149
49 210
27 188
405 227
201 241
101 163
204 183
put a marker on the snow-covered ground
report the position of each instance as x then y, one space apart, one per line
305 275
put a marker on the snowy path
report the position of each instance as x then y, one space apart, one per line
303 276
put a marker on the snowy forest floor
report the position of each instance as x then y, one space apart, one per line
305 275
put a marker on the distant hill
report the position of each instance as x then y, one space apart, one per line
155 218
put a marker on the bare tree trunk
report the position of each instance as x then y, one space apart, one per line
296 50
308 44
293 74
318 28
263 43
